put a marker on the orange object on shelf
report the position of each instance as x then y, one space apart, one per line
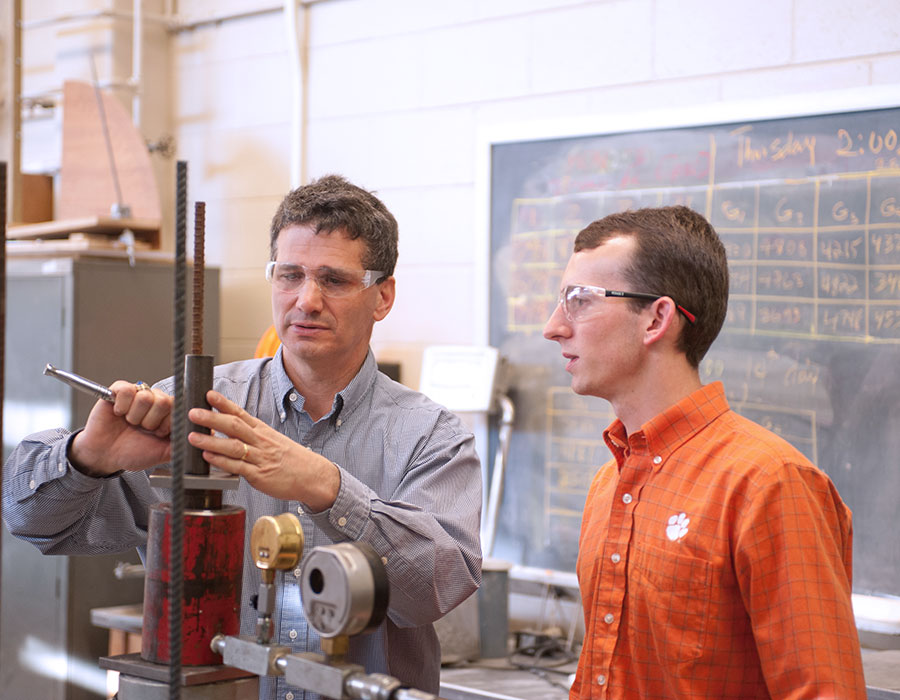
268 343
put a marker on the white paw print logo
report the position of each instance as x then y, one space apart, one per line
678 526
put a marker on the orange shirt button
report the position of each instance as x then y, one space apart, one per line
609 618
601 679
616 558
626 498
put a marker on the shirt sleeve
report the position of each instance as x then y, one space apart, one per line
793 562
427 531
47 502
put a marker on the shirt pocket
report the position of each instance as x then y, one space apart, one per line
669 602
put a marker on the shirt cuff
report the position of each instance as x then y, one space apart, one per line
72 469
347 518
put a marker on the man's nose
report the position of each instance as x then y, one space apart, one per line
309 296
557 325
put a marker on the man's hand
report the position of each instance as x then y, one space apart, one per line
269 461
132 433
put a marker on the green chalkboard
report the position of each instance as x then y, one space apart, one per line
809 210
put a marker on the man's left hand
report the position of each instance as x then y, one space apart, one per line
269 461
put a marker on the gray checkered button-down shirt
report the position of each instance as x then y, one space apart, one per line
410 487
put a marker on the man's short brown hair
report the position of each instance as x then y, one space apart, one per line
332 203
678 254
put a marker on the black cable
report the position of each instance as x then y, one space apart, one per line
552 648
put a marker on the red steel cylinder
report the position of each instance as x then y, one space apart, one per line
213 564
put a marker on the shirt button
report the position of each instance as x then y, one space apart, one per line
627 498
609 618
292 634
300 510
62 467
384 560
292 397
31 484
601 679
289 695
657 459
297 572
339 421
616 558
342 521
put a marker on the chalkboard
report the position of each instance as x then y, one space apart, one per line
809 210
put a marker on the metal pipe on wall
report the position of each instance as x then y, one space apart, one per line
91 14
137 60
189 25
297 26
14 187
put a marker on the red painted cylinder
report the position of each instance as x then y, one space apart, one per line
213 565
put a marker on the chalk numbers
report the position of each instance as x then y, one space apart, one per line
884 144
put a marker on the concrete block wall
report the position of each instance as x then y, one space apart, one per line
399 92
399 97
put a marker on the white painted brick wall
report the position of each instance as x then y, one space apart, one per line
832 30
365 77
436 223
400 91
434 306
604 43
795 79
702 37
478 62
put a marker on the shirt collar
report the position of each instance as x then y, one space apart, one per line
345 400
663 434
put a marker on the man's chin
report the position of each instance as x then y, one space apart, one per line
580 388
304 348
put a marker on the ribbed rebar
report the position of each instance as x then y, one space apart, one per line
199 263
179 450
2 305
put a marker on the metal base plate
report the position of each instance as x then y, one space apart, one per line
134 688
134 665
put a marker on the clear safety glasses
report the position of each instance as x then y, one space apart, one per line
581 301
332 282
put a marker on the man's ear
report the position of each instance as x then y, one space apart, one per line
661 321
387 291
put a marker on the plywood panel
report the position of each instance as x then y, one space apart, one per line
87 187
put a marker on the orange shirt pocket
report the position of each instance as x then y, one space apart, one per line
668 596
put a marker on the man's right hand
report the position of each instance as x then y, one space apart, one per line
131 434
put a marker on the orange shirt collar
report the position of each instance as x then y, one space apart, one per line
664 433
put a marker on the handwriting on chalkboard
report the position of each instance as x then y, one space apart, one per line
776 149
813 257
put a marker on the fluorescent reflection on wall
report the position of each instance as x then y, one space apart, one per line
45 660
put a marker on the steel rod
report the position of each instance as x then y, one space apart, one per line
179 447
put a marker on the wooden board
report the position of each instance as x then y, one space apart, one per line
87 187
146 230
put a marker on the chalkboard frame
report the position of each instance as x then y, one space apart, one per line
811 104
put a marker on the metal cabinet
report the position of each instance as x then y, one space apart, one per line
106 320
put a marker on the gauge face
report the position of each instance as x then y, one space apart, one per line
277 541
344 589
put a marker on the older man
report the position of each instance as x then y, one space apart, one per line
316 430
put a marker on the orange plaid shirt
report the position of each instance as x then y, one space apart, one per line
714 562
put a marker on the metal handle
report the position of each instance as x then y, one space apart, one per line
76 381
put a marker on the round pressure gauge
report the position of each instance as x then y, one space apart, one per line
344 588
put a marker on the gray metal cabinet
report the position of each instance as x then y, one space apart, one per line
106 320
